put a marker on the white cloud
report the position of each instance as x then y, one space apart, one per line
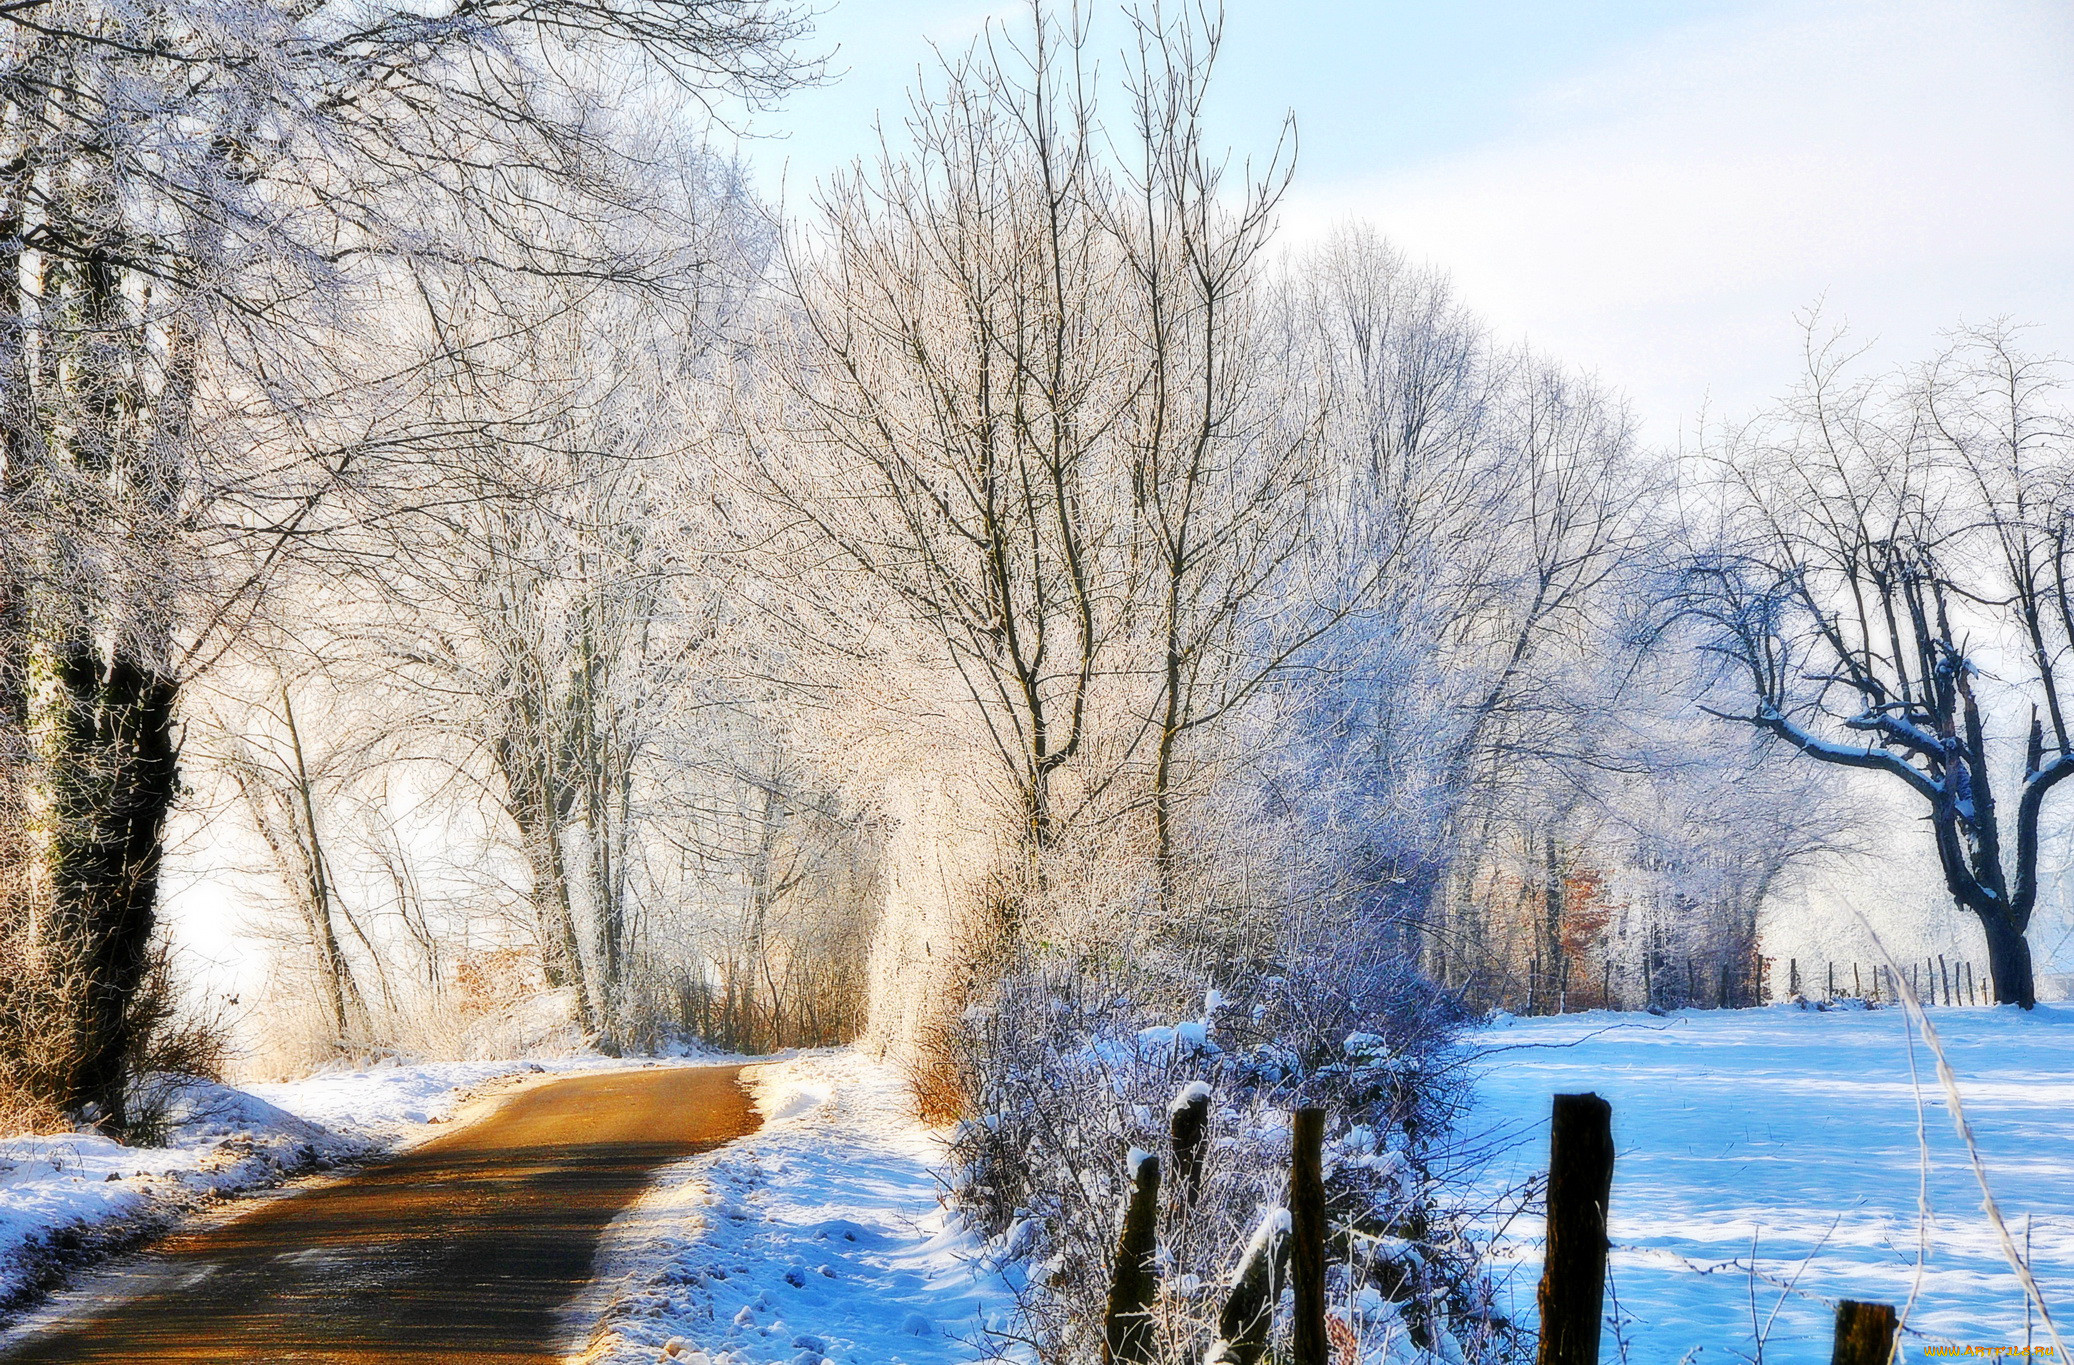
1662 217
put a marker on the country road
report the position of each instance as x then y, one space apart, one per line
460 1250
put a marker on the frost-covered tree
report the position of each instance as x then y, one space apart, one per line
193 199
961 368
1890 592
1499 507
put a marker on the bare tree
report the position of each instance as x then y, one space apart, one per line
959 381
282 786
1223 458
1890 591
1499 507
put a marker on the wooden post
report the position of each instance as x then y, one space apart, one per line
1606 983
1127 1326
1721 995
1857 986
1573 1277
1864 1334
1947 976
1830 993
1249 1310
1307 1238
1188 1122
1792 977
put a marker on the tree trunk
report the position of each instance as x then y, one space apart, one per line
111 761
341 992
2009 962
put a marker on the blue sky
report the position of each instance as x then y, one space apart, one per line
1648 189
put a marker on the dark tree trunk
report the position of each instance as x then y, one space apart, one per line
114 780
2009 962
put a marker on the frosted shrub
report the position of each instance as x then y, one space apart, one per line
1065 1072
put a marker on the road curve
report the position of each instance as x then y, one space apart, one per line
459 1250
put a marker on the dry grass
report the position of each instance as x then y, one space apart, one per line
933 1077
23 1114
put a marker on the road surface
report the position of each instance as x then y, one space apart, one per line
459 1250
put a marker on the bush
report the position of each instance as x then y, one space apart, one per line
1063 1071
171 1043
168 1042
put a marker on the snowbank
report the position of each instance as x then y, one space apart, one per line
392 1103
69 1198
1784 1141
818 1238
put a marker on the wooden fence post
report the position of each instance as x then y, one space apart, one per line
1573 1277
1127 1326
1249 1310
1307 1238
1864 1334
1188 1122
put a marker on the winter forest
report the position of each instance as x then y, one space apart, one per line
1070 671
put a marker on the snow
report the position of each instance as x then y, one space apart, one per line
819 1238
67 1197
1785 1141
391 1103
1768 1165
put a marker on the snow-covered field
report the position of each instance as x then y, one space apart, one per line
1786 1141
818 1238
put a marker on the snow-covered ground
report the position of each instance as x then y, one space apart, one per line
1769 1164
1786 1141
819 1238
67 1197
